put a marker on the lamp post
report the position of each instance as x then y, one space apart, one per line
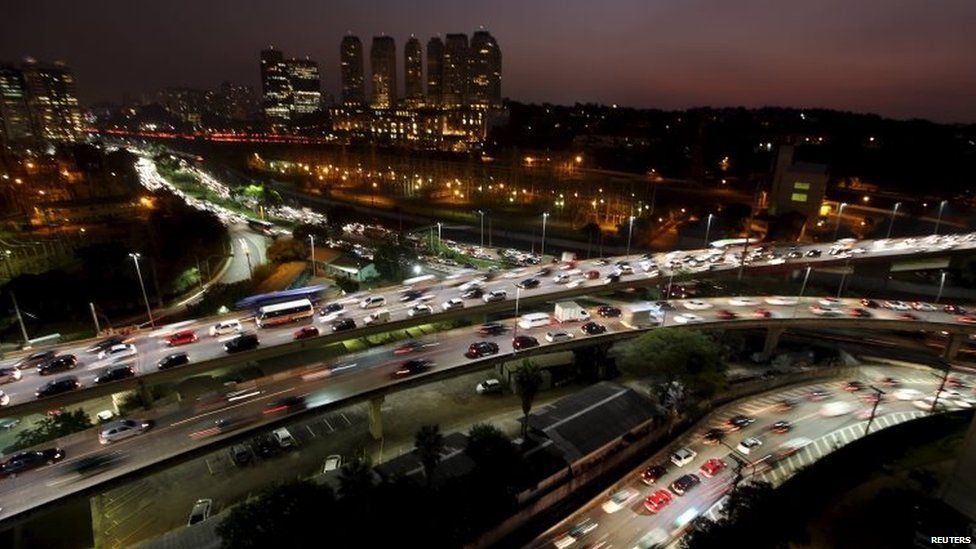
708 228
942 279
518 294
894 212
440 241
135 260
311 258
840 214
938 220
630 233
20 320
874 408
247 255
482 214
803 288
545 215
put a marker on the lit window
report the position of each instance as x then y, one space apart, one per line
799 197
801 186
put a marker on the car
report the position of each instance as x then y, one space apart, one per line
687 318
34 359
121 430
619 499
743 302
420 310
332 311
966 319
283 437
712 467
954 309
908 316
606 311
481 349
908 394
451 304
409 347
762 312
287 404
818 395
820 310
813 253
683 456
782 300
331 463
791 447
520 342
173 360
470 285
9 375
182 337
829 302
414 366
582 528
57 386
682 484
726 314
895 305
697 305
592 328
834 409
748 445
923 306
495 295
853 386
31 459
785 405
60 363
343 324
889 382
489 386
105 344
491 329
781 427
372 301
858 312
225 327
114 373
956 383
657 501
410 295
713 436
737 422
200 511
591 275
306 332
557 336
869 303
473 293
528 283
871 398
242 342
652 473
794 254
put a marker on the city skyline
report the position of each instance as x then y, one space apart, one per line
903 61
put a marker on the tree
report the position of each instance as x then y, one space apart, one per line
753 516
347 285
53 427
528 380
389 259
429 443
590 231
356 480
282 516
287 249
303 230
496 458
264 195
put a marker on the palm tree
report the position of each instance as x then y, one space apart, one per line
429 443
356 480
528 380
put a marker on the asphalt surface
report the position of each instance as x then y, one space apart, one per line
632 525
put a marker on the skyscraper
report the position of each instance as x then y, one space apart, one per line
15 123
455 83
413 61
382 60
435 70
52 101
275 86
351 69
485 71
306 89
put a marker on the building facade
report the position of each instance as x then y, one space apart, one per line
798 187
382 60
413 68
52 101
435 71
15 121
351 71
275 86
485 71
306 87
454 91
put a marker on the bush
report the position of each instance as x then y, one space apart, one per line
347 285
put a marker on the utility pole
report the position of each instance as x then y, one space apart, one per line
20 320
874 409
135 259
95 317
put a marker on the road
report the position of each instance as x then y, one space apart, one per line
180 428
248 247
635 526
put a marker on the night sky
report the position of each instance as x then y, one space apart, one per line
900 58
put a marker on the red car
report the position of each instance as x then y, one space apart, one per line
181 337
858 312
652 474
657 501
306 332
762 313
908 316
966 319
712 467
592 275
726 314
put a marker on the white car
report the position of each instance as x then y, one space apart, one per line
927 403
489 386
687 318
697 305
332 463
453 303
922 306
820 310
619 500
283 437
4 399
576 282
557 336
683 456
834 409
776 261
830 302
420 310
121 430
743 302
225 327
9 375
748 445
896 305
118 351
200 512
782 300
372 301
470 285
909 394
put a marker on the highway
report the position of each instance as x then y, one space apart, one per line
151 347
838 419
180 429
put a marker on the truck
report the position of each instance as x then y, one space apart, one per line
640 315
570 311
381 316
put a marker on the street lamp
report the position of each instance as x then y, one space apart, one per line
518 294
874 408
708 228
440 241
247 255
545 215
311 238
840 214
803 288
938 220
482 214
894 212
630 233
135 259
942 279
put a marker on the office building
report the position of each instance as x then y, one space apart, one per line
15 122
351 71
306 89
413 70
382 60
798 187
455 70
275 86
485 71
435 71
233 101
52 101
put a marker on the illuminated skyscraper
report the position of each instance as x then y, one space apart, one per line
52 101
351 69
435 70
485 71
275 86
15 123
382 61
455 67
413 61
306 90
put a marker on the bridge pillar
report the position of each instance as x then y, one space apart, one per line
376 418
952 346
772 341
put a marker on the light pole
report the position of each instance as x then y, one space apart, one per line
20 320
518 294
311 258
803 288
840 214
942 279
440 241
545 215
482 214
630 233
247 255
874 408
135 259
708 228
894 212
938 220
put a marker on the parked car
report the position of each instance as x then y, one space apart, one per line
173 360
284 439
683 456
489 386
331 463
200 511
685 483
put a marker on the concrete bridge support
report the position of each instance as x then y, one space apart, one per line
772 341
952 346
376 418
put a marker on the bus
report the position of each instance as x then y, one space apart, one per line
311 293
283 313
260 226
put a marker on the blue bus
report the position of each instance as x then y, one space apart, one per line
254 302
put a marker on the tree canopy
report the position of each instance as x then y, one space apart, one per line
687 357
